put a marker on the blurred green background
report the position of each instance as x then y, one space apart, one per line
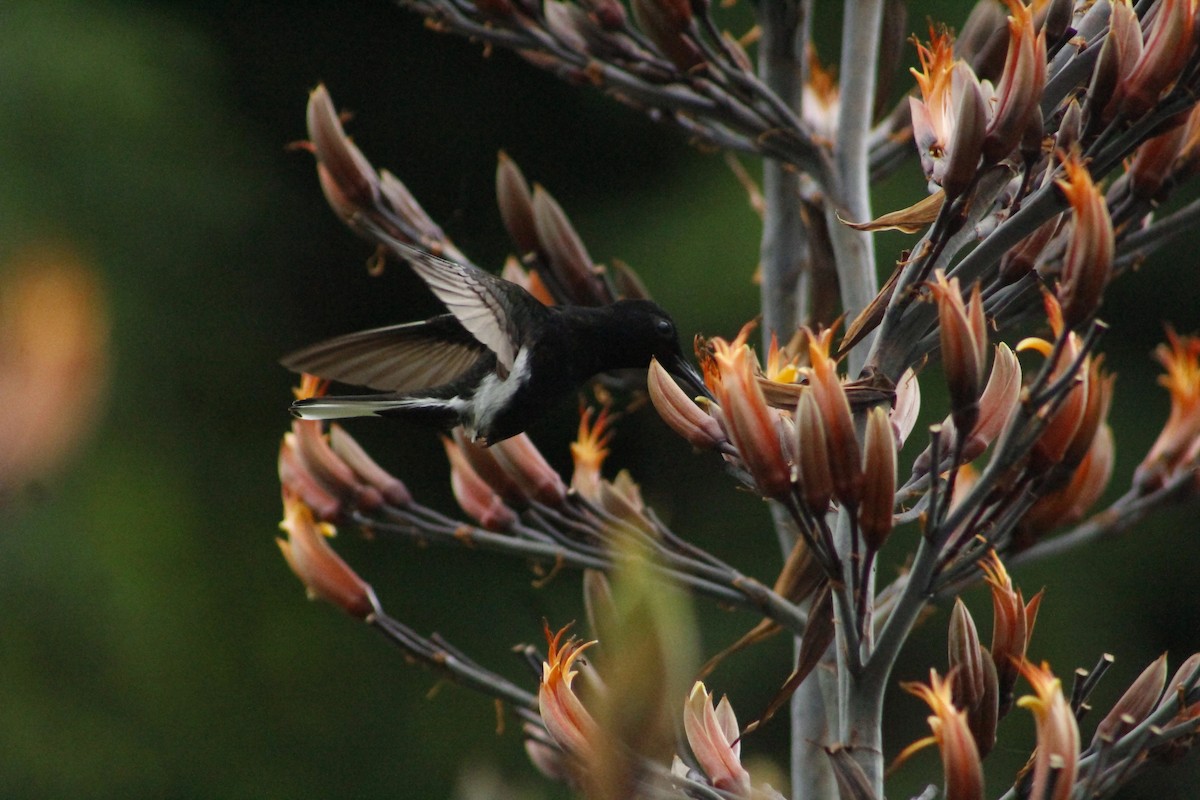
152 642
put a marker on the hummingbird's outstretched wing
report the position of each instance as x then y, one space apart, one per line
397 358
488 306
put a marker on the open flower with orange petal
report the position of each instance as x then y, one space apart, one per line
949 119
731 370
589 450
1180 356
1087 263
570 724
1056 761
1012 625
952 735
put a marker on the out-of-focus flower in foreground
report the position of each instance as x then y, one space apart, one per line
54 360
1180 357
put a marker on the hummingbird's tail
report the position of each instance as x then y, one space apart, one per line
423 409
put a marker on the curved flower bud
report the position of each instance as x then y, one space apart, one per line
845 463
474 496
322 571
1169 44
963 333
1087 264
1135 705
960 757
879 480
907 408
516 204
680 412
348 179
1056 760
714 738
1070 503
523 462
1020 89
300 483
390 487
665 22
494 474
1121 50
565 252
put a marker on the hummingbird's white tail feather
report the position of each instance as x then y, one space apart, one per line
344 407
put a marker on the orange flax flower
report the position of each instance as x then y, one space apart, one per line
1087 263
1057 757
1012 625
950 119
1180 357
589 450
570 724
750 422
960 757
324 574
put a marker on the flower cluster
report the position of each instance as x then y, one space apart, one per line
1050 137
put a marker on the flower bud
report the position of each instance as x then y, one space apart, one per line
474 496
1135 705
524 463
1169 44
842 449
1087 264
680 412
665 22
516 204
346 169
391 488
1020 89
812 462
963 333
976 684
879 480
483 462
565 253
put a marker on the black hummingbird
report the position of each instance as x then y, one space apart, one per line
495 364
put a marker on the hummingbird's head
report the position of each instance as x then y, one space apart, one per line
649 333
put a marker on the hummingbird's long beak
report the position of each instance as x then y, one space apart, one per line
682 370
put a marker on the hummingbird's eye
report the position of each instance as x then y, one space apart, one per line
664 327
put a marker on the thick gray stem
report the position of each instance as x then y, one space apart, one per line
853 250
783 67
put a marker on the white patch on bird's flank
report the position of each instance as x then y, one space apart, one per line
495 392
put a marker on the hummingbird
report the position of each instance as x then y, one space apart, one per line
495 364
